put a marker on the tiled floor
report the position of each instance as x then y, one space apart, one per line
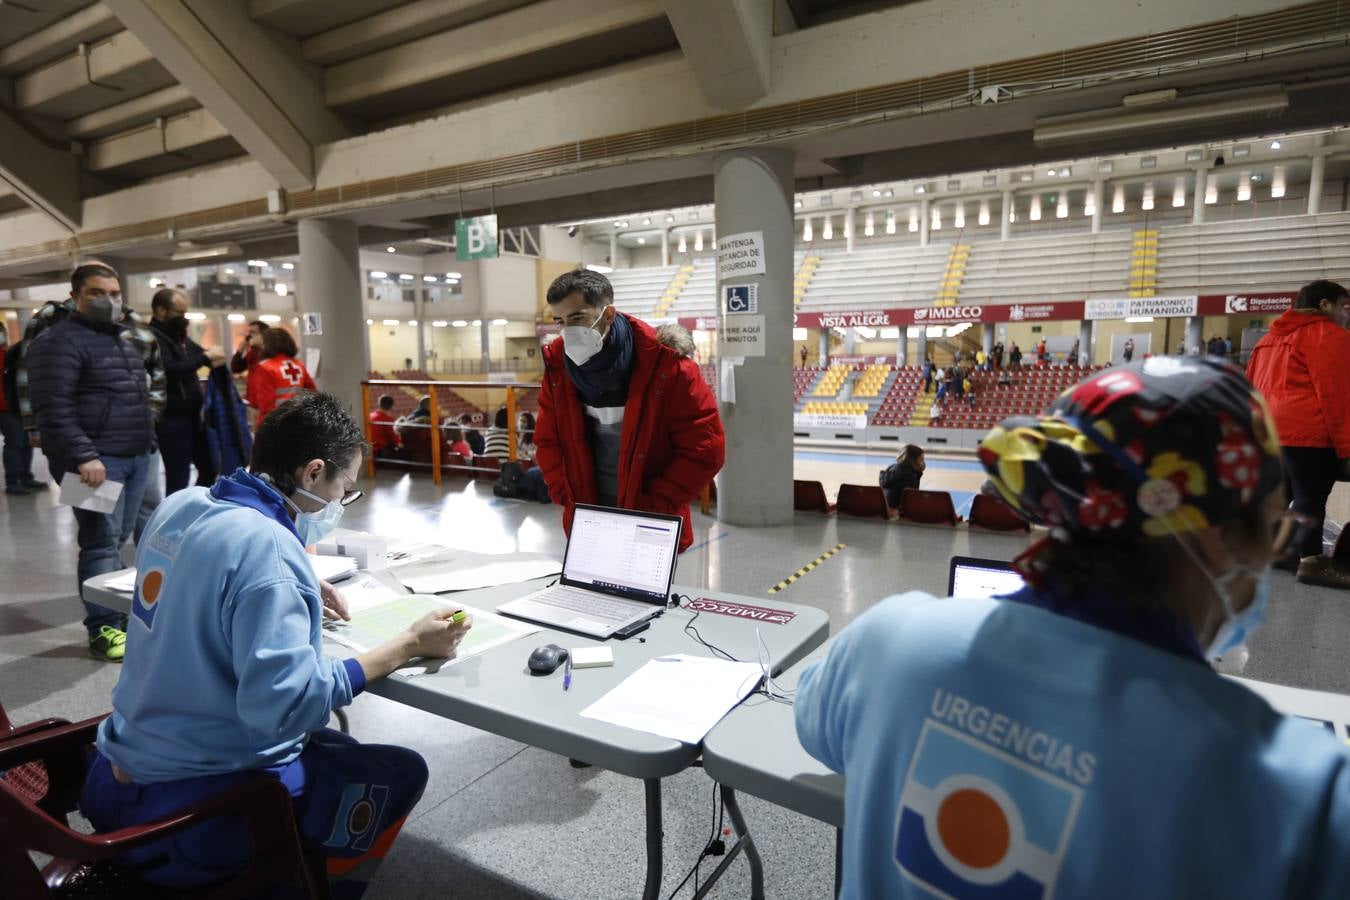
500 820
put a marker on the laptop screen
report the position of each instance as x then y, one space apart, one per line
628 554
980 578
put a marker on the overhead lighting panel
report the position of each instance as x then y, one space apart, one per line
1221 106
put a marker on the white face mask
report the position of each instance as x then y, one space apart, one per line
315 526
582 342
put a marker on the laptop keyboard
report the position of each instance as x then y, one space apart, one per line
592 604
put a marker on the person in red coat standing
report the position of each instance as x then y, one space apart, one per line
623 420
281 376
1300 368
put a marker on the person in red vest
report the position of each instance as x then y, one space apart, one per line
624 421
280 375
384 440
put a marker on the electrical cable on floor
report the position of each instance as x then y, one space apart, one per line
707 848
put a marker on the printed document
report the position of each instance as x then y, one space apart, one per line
102 499
679 696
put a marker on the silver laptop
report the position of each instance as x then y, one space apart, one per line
618 570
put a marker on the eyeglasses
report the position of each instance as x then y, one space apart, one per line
350 495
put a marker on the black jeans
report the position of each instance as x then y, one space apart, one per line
182 444
18 455
1311 472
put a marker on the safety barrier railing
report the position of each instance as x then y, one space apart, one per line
434 424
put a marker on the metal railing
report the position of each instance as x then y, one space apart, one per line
434 424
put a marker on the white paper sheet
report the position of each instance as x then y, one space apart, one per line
372 627
680 696
331 568
74 492
407 551
123 584
461 570
363 592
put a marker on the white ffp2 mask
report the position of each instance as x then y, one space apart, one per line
582 342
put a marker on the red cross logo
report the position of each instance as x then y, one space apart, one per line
291 371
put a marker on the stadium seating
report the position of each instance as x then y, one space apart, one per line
991 513
928 507
865 501
809 496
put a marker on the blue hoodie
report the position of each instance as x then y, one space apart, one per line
996 749
224 666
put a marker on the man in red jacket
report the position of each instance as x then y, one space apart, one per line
1300 367
623 420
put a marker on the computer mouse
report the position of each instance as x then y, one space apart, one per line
546 658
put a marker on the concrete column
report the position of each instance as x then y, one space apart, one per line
420 314
1086 334
925 210
25 316
665 246
1198 207
849 222
1195 335
1315 180
330 285
485 344
921 347
902 347
850 340
824 346
987 337
613 250
1098 194
1005 226
752 191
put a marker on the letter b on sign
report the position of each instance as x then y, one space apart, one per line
476 238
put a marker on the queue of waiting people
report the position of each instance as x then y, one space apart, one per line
1070 738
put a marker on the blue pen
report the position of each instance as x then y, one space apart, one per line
567 673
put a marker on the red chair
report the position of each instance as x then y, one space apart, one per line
450 460
85 865
809 496
990 512
865 501
928 507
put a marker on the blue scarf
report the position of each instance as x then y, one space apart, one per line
246 489
1152 627
602 381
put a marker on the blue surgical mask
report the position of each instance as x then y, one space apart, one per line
1237 627
315 526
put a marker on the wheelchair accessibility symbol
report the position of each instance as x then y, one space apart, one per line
741 298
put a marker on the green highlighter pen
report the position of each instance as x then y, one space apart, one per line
459 617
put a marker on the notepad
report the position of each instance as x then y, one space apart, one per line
591 657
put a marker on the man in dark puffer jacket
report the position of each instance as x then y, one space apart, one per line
91 398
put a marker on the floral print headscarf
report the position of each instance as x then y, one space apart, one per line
1163 446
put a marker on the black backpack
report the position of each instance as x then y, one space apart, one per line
508 481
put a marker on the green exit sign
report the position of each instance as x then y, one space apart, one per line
476 238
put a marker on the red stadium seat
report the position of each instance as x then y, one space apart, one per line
988 511
809 496
865 501
928 507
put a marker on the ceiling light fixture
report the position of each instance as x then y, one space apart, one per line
389 250
378 275
1274 145
281 290
797 204
289 267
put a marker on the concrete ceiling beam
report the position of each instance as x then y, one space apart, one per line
47 178
109 71
176 134
251 79
398 26
728 43
303 18
497 42
104 122
84 26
